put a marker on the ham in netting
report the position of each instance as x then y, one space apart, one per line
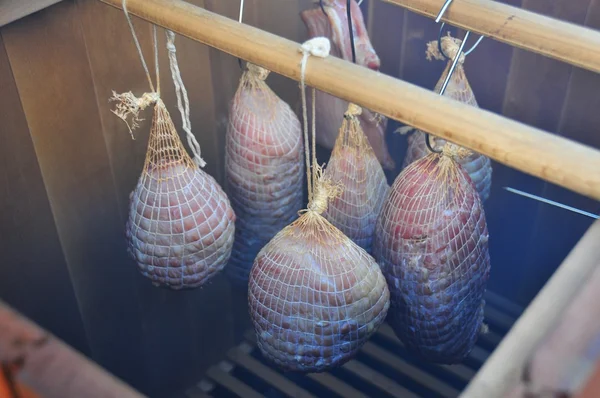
355 167
332 22
181 225
478 166
264 166
315 297
431 242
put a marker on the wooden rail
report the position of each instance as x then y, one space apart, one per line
533 151
50 367
537 33
503 370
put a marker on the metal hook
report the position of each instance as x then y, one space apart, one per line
322 7
454 61
443 11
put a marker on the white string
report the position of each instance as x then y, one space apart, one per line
180 91
318 47
360 2
241 10
139 48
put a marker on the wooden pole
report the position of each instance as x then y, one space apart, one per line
551 37
50 367
533 151
503 370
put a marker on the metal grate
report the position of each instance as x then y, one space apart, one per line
382 368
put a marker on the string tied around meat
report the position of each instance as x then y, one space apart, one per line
454 151
318 47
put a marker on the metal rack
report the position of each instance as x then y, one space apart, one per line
382 368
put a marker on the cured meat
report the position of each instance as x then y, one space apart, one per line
333 24
478 166
431 241
264 167
181 225
353 164
315 297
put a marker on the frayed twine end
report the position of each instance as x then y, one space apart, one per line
128 104
325 189
449 44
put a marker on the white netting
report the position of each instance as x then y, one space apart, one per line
331 109
478 166
314 296
353 164
264 167
431 241
181 225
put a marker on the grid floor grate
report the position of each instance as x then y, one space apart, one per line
382 368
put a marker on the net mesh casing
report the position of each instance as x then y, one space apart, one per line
315 297
181 226
431 241
264 167
478 166
353 164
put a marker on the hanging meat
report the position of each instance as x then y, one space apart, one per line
314 296
264 166
478 166
355 167
331 21
431 241
181 225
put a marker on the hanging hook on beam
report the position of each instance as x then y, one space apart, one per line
454 62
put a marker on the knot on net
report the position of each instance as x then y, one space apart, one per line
450 46
353 111
454 151
258 72
324 190
130 105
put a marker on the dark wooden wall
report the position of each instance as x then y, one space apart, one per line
67 166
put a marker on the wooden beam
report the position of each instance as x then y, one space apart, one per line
50 367
533 151
528 30
504 368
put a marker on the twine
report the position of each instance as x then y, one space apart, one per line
318 47
180 91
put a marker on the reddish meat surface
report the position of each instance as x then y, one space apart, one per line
353 164
330 109
264 168
314 296
431 242
181 225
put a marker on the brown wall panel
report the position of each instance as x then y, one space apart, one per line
48 57
34 277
